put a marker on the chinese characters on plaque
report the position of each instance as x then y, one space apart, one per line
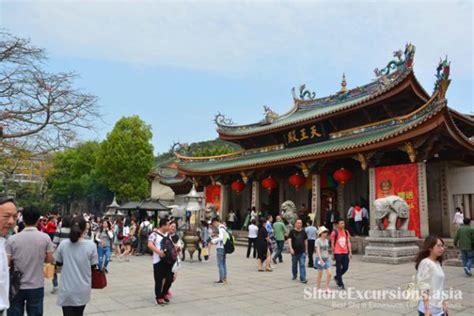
305 135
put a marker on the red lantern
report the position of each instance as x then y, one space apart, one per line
342 175
237 186
269 184
296 181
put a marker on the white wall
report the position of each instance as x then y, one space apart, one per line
461 180
160 191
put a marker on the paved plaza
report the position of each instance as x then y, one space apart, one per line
248 292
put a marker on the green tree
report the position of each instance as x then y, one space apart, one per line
74 177
126 157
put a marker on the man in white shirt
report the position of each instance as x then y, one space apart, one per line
458 217
231 220
219 241
8 214
253 214
143 233
253 232
28 251
161 270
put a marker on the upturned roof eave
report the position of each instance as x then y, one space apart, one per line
407 79
441 117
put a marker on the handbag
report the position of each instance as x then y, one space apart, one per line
48 270
176 265
15 282
99 280
412 291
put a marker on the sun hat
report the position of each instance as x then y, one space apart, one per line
321 230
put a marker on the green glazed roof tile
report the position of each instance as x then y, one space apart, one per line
333 145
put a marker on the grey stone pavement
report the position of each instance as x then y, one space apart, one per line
248 292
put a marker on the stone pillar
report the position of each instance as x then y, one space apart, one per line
372 197
255 194
446 217
316 197
281 193
340 201
225 197
423 200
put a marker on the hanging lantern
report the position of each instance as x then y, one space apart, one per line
296 181
342 176
269 184
237 186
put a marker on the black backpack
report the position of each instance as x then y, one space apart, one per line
145 231
167 246
229 243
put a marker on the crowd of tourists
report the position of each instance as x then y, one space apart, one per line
309 247
28 242
80 246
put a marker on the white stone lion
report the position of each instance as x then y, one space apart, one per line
288 213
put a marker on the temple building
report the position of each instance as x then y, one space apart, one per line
388 137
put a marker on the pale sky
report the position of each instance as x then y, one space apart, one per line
178 63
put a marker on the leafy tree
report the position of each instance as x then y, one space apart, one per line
212 148
74 177
33 169
126 157
31 194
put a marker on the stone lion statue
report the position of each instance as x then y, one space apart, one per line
288 213
393 207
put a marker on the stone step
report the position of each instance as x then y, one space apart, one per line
240 242
388 260
453 262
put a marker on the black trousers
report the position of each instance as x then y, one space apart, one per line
162 271
342 265
252 241
310 252
73 310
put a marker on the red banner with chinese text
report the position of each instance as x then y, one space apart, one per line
213 196
401 180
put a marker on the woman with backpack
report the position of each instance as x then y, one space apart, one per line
219 240
78 257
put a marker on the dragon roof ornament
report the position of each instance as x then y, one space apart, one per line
399 63
442 77
304 96
221 120
396 65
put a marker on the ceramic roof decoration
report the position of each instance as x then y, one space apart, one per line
412 114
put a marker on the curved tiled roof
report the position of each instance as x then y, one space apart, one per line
356 140
321 107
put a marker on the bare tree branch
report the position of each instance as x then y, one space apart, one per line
43 109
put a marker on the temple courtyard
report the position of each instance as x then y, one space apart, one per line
248 292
